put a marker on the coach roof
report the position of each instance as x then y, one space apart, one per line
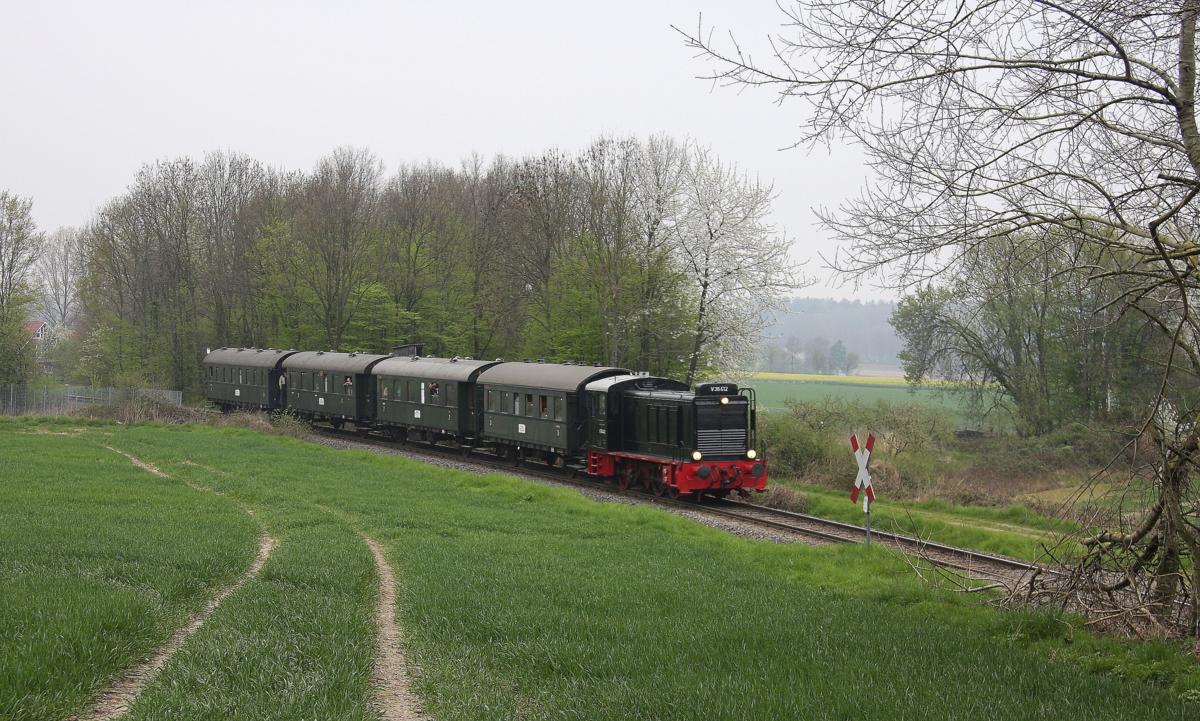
248 357
551 376
333 362
441 369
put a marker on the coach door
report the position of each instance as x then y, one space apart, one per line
598 419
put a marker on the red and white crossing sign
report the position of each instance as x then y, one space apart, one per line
863 482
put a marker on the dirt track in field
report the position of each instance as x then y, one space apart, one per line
116 700
392 697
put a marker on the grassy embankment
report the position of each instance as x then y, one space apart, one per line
977 494
520 600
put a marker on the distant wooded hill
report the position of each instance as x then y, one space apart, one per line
805 337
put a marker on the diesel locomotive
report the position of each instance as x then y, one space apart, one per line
617 426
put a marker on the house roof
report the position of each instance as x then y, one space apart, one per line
33 326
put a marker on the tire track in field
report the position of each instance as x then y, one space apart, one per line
117 699
393 698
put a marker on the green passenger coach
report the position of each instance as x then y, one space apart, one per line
538 405
332 386
428 397
246 378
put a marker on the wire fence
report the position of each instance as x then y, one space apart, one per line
17 399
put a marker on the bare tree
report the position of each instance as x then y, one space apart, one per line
59 270
606 175
482 195
20 247
545 205
228 183
986 119
737 263
657 203
337 232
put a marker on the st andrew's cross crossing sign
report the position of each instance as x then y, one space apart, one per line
863 481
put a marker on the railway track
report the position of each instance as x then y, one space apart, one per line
976 565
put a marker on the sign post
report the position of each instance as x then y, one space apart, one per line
862 482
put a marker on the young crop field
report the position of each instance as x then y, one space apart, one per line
774 390
513 599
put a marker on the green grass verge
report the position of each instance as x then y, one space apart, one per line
525 601
1011 531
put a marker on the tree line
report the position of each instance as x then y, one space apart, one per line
649 254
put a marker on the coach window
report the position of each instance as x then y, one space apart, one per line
435 394
516 404
451 393
543 406
559 409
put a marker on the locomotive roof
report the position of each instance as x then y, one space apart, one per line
442 369
635 382
551 376
248 357
333 362
663 395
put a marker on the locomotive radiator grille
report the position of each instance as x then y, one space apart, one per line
717 442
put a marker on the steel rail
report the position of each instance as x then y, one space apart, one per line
967 560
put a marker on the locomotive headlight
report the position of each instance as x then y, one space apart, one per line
724 400
752 454
697 455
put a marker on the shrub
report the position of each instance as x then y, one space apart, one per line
784 498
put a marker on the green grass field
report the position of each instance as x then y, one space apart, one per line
517 600
773 394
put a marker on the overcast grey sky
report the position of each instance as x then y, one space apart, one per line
92 90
